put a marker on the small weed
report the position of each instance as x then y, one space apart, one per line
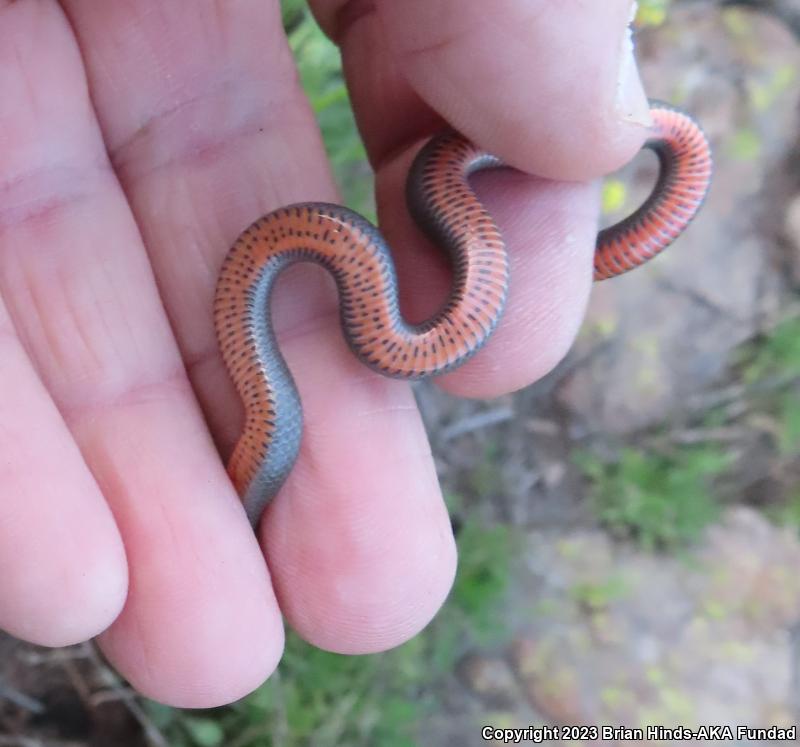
663 502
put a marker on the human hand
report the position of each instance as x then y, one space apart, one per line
118 202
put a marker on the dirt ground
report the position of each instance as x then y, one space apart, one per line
707 636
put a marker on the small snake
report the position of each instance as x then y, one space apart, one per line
354 252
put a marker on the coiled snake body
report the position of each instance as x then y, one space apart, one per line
354 252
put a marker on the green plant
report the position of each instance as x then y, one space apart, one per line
663 502
293 12
485 556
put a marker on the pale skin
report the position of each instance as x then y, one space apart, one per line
137 138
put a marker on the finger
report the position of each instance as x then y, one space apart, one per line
201 153
552 88
63 576
78 285
359 539
550 227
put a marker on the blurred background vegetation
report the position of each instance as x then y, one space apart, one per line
321 72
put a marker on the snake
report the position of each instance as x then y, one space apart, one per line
445 207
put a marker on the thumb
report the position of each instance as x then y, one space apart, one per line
552 88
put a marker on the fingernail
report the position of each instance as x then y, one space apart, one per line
631 102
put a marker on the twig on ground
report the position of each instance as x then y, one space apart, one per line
700 299
52 656
118 691
75 676
20 699
476 422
